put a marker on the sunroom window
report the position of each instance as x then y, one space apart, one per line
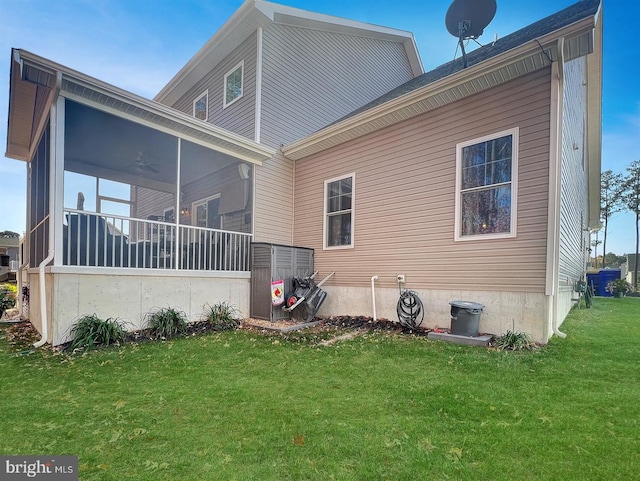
486 186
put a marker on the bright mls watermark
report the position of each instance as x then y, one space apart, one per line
51 468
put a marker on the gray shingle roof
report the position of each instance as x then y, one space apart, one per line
563 18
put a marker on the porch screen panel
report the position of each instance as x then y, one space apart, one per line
39 193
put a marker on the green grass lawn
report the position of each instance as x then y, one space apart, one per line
240 405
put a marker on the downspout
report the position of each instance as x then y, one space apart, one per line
53 167
555 211
373 297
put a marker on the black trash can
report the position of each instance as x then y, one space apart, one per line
465 317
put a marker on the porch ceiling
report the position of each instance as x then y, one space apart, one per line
36 82
104 145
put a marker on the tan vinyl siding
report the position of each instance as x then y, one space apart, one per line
239 117
311 78
573 206
274 201
405 195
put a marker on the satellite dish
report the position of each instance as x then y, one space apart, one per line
467 19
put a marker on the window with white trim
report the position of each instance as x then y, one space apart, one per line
201 106
486 181
339 195
233 84
205 212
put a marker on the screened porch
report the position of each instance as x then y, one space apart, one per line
136 197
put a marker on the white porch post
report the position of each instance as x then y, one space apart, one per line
57 180
176 215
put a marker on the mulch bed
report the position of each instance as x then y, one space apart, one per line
21 336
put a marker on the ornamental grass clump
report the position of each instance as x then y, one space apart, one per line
514 341
167 322
91 331
222 316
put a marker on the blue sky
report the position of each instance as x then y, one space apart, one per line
139 46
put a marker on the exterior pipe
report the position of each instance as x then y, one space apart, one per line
43 300
373 296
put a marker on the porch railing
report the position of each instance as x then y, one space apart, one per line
99 240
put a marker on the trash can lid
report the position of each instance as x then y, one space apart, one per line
467 305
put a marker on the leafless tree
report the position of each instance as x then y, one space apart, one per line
611 186
631 201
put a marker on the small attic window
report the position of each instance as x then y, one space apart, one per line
233 84
200 106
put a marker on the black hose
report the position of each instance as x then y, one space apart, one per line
410 309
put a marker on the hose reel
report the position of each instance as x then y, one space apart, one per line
410 309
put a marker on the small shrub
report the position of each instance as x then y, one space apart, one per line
91 331
514 341
222 316
620 286
7 298
10 287
167 322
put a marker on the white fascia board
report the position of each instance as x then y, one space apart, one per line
594 123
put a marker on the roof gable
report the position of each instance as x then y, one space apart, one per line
256 13
517 54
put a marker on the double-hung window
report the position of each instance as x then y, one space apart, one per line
205 212
486 179
339 195
200 106
233 84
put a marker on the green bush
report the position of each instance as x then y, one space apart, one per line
166 322
222 316
91 331
514 341
7 297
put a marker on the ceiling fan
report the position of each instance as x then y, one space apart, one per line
143 166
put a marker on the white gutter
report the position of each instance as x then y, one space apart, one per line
56 130
555 190
373 297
